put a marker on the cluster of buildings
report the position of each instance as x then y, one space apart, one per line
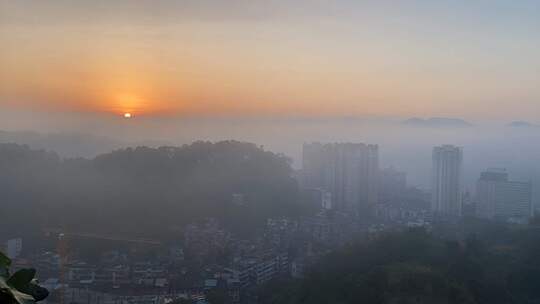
496 197
346 177
355 199
189 269
118 274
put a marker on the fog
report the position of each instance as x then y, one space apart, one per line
185 199
406 146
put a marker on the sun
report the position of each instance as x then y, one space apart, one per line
127 115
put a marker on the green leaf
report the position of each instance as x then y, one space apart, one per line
22 298
5 262
22 278
39 293
13 295
3 284
21 287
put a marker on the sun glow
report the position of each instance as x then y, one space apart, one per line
127 105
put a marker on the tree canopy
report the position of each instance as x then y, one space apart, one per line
416 267
159 187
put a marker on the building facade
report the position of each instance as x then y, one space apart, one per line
348 171
447 180
13 248
499 198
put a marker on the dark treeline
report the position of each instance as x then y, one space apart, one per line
494 264
145 191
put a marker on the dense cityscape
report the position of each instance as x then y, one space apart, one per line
350 199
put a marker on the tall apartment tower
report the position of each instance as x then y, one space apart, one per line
313 166
446 182
349 171
499 198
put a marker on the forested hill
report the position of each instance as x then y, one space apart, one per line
495 265
145 190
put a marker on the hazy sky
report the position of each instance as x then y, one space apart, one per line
249 57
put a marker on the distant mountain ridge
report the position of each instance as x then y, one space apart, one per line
437 122
522 124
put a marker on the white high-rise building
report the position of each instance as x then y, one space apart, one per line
447 180
13 248
348 171
499 198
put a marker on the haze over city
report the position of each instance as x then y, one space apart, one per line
204 70
250 134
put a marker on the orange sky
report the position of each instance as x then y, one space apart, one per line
324 59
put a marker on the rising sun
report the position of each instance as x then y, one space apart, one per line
127 115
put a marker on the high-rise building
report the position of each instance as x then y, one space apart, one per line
13 248
499 198
446 182
348 171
